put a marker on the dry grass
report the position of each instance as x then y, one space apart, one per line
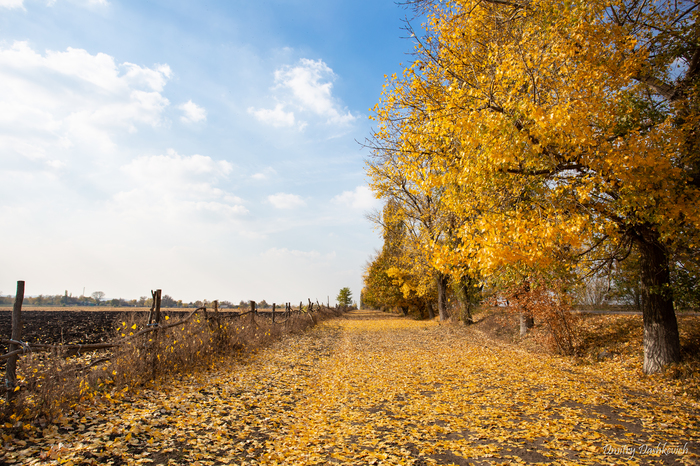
602 339
50 382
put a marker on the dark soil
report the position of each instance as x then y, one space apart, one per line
67 327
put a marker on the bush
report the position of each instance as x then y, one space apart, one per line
548 306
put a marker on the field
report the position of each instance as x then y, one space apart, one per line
70 325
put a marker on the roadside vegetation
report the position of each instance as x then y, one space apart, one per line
52 382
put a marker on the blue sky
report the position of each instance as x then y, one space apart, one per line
206 148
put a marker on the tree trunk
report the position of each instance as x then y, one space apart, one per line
468 293
526 323
661 341
442 281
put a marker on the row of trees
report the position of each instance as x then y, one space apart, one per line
537 143
98 299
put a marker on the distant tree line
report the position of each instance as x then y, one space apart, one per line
98 299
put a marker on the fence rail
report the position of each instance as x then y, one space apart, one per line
17 347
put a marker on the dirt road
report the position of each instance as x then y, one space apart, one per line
376 389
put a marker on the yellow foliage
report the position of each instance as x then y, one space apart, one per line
537 129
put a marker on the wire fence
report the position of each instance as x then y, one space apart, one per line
148 336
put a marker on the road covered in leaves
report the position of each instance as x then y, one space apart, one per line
377 389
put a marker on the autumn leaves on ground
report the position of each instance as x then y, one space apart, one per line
372 388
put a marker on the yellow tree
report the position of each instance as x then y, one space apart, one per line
569 131
400 172
393 278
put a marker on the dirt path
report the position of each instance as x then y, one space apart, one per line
374 389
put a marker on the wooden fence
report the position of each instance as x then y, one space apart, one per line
17 347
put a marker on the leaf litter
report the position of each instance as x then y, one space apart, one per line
372 388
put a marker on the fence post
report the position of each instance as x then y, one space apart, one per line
300 306
151 314
311 306
11 377
217 321
156 322
157 309
252 311
273 313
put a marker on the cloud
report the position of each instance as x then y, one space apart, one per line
193 113
10 4
286 201
284 253
178 186
265 174
311 83
175 168
306 87
60 102
361 198
85 2
276 117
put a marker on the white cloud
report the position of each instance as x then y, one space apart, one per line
86 2
361 198
284 253
175 168
286 201
265 174
178 186
309 85
276 117
69 100
193 113
10 4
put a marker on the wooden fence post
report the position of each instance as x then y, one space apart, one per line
252 311
11 377
301 306
217 320
156 322
157 310
311 306
151 314
273 313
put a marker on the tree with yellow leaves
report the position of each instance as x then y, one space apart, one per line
402 178
394 278
567 136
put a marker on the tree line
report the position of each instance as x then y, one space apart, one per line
98 299
534 148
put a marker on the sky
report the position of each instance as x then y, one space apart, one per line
210 149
